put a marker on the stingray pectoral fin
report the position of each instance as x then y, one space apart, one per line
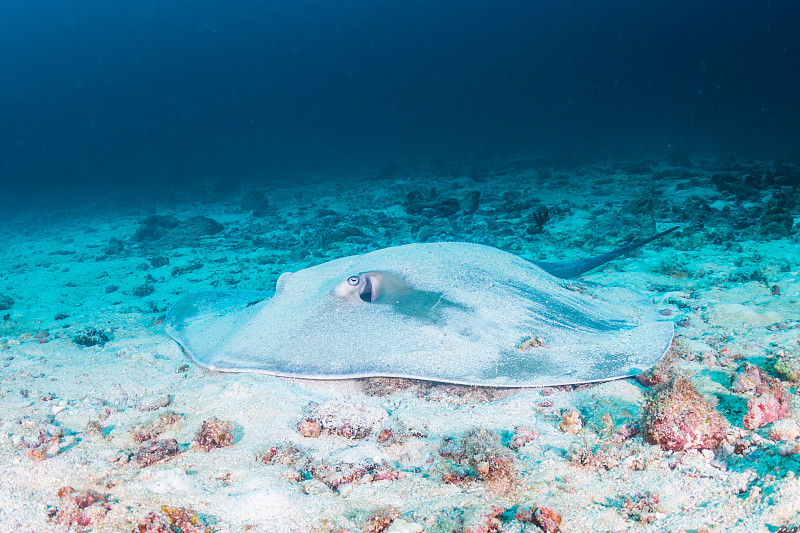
201 322
449 312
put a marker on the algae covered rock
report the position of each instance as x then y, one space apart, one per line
678 418
788 366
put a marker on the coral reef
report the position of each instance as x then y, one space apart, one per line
214 433
678 418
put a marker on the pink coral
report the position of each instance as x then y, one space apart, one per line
677 418
770 405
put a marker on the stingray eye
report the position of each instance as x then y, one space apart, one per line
353 280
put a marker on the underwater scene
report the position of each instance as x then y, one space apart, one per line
400 267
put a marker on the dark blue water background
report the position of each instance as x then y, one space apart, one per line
111 95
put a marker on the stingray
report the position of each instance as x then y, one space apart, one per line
450 312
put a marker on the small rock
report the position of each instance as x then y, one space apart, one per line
786 429
145 289
380 519
154 403
91 337
154 451
155 227
309 427
571 423
522 436
200 226
214 433
255 201
152 430
547 518
788 365
314 486
80 508
747 379
472 202
770 405
184 520
5 302
641 507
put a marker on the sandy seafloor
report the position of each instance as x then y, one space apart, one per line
75 406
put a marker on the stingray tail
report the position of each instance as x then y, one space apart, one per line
571 269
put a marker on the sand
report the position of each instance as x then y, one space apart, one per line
69 413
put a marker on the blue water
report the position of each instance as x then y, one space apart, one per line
99 95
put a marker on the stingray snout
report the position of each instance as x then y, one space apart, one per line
363 287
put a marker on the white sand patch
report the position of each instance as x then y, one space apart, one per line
734 315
